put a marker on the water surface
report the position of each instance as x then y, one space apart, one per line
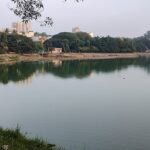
92 105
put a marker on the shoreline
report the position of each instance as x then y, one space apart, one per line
14 139
14 58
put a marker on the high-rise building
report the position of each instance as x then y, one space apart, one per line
22 27
76 29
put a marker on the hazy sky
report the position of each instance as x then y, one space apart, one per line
128 18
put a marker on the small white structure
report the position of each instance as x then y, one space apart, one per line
29 34
57 62
91 34
56 50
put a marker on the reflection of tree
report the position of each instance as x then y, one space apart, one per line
83 68
77 68
17 72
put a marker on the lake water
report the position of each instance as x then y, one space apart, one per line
86 104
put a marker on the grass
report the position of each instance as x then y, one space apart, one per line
13 58
15 140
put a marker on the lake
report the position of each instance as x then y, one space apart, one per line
79 105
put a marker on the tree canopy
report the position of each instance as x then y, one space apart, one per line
82 42
29 10
18 44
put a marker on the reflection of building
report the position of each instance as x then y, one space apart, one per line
21 27
76 29
92 74
27 81
57 62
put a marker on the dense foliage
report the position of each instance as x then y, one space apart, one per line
15 140
82 42
18 44
74 42
69 42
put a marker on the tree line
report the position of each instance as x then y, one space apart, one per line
18 44
74 42
83 42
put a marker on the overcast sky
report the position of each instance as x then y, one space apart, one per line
129 18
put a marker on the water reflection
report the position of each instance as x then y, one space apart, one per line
79 68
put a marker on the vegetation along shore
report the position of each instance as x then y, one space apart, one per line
80 42
15 140
17 48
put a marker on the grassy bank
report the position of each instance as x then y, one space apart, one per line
15 140
13 58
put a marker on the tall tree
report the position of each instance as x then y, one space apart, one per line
29 10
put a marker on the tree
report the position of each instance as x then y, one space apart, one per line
20 44
3 43
29 10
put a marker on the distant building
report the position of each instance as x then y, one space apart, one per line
29 34
40 38
35 38
91 34
8 30
21 27
56 50
2 30
76 29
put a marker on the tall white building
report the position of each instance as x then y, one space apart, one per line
20 27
